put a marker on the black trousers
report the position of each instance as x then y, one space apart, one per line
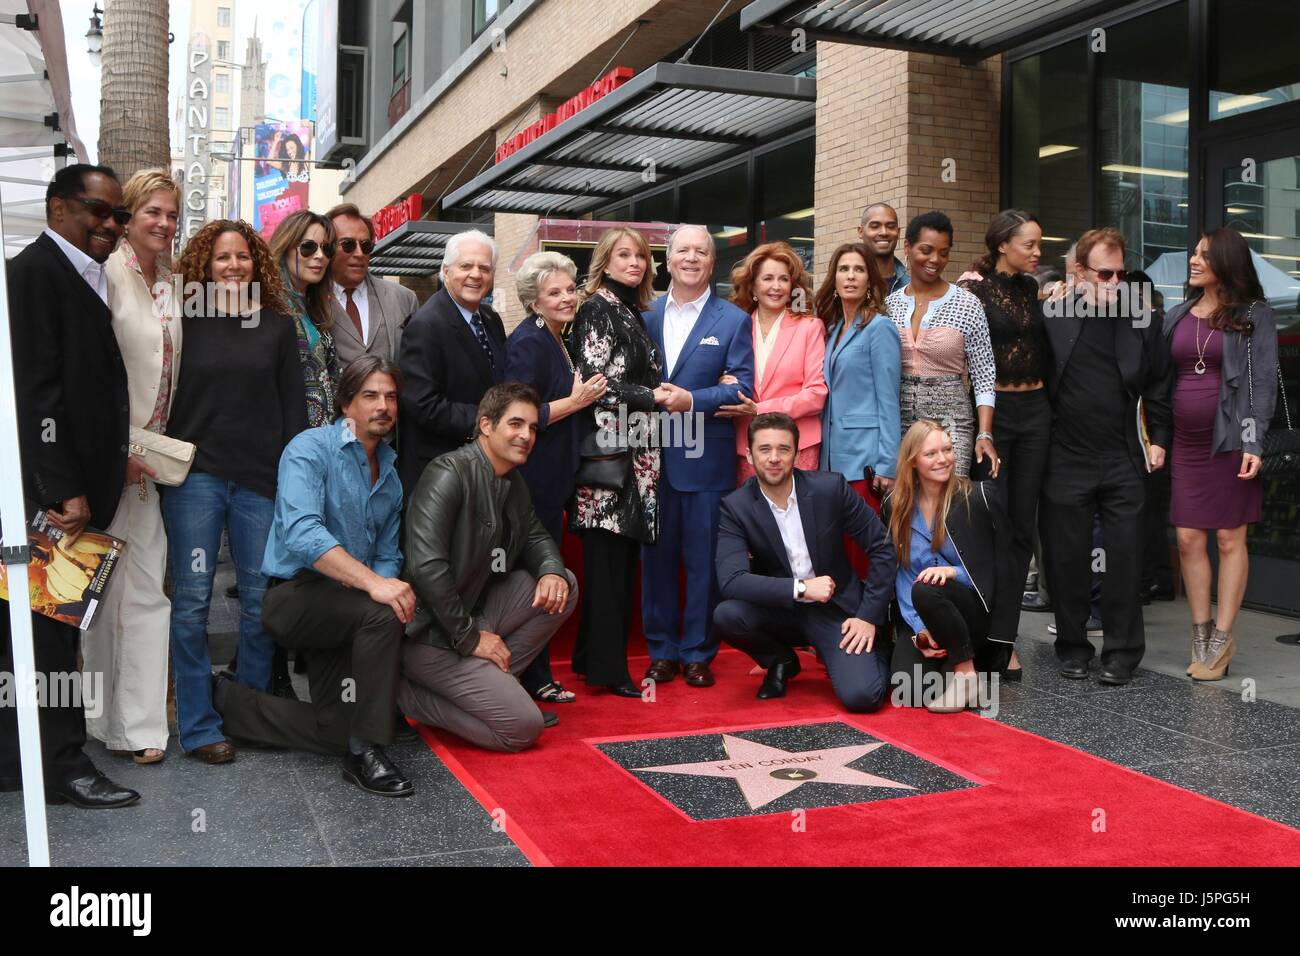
63 729
1156 569
956 619
1022 429
860 681
1077 488
538 674
609 563
352 670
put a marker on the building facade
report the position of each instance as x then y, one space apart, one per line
784 118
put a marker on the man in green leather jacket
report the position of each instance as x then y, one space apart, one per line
490 584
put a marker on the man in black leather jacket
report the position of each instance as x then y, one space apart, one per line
490 584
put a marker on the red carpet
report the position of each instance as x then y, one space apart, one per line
1023 800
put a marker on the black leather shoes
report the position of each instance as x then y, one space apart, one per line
91 792
1110 674
777 675
1033 601
373 772
1075 670
549 718
403 732
699 675
661 672
627 689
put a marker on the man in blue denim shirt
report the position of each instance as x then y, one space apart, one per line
332 558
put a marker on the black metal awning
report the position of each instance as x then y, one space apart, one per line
970 29
416 248
665 122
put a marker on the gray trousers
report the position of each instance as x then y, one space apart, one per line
471 696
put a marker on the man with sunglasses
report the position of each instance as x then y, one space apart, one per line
1107 357
73 420
368 314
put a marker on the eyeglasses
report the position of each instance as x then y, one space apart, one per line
1105 275
307 248
102 210
350 246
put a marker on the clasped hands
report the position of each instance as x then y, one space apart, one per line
746 407
858 635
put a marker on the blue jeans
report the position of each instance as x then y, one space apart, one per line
195 514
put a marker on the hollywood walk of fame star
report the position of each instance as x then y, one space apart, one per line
766 773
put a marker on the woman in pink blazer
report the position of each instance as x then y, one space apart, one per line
789 350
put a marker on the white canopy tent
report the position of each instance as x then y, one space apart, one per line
36 129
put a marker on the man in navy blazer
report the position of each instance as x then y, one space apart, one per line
701 338
785 577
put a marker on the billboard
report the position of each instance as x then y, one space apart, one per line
310 57
327 76
281 172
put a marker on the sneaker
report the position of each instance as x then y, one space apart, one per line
1094 628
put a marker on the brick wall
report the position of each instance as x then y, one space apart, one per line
886 122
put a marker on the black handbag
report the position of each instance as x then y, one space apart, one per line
604 464
1281 451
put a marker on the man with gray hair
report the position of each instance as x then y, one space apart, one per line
453 350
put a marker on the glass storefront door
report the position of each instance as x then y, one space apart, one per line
1253 185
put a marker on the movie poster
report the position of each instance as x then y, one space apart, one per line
282 173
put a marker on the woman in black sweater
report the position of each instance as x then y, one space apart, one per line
239 400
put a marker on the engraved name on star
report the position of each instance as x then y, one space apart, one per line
766 773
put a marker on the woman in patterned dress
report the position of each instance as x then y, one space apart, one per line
609 338
944 337
303 246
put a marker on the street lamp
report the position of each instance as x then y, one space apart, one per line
95 36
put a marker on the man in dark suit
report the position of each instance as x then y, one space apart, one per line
368 314
1108 354
702 338
73 423
786 580
453 350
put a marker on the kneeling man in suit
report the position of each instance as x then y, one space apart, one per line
784 576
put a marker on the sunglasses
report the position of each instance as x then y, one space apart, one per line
102 210
350 246
1105 275
307 248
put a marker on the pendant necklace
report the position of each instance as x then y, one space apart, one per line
1199 367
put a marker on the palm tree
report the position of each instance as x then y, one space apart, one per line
133 131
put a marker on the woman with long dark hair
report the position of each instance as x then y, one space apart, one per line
239 399
860 421
1224 345
302 246
1007 289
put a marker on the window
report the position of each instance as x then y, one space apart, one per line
401 56
1049 145
485 11
352 94
1252 55
223 50
721 201
221 82
223 16
785 182
1142 112
221 118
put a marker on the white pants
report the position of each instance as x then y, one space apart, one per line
125 647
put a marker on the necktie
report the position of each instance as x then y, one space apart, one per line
480 333
355 315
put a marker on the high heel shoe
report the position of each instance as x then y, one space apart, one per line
961 691
626 689
1217 657
1200 644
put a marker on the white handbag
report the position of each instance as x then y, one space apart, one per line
169 458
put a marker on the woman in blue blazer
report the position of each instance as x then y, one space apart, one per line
536 354
860 422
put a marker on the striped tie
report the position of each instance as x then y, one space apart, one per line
481 334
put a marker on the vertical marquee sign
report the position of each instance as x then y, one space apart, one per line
197 101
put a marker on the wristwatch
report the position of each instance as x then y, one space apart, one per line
800 589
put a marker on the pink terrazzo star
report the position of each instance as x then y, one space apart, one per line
765 773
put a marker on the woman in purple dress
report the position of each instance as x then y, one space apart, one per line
1219 432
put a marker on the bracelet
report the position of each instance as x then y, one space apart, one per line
983 435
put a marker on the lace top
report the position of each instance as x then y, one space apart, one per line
1016 329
